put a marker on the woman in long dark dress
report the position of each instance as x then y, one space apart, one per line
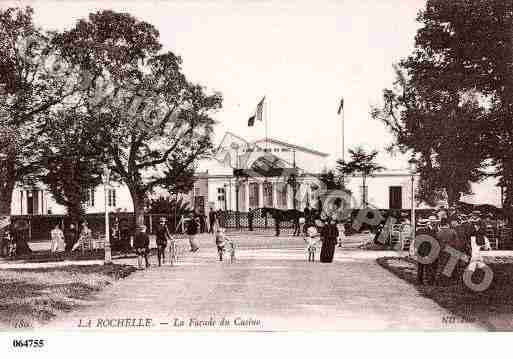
329 234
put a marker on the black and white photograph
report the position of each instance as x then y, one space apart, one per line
251 166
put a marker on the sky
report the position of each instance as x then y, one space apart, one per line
303 56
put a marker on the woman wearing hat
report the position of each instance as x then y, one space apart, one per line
329 234
192 230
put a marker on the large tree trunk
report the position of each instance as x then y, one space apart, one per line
138 200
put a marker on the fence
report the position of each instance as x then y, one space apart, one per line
37 228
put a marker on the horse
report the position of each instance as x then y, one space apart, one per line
281 215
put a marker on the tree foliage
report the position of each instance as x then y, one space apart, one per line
73 160
452 102
156 123
362 163
32 83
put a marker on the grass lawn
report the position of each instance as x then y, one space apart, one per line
492 308
31 296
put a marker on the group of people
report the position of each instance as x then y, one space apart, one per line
466 234
165 241
70 239
329 232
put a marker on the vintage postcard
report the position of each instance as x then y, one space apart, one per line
255 166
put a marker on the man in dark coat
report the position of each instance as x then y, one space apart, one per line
212 218
424 228
446 236
162 236
70 237
277 220
308 218
142 246
250 219
192 231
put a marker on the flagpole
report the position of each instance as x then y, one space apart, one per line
343 135
266 121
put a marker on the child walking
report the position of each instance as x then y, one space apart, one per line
220 242
341 232
311 239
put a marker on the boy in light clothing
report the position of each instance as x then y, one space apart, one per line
341 232
222 242
311 239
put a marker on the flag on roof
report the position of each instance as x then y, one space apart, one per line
258 115
341 106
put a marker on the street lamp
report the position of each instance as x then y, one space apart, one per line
174 199
412 177
105 179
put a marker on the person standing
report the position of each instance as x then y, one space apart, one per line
142 246
192 231
250 219
297 227
424 271
306 214
277 220
57 240
329 234
212 219
162 237
220 242
478 242
84 237
341 233
70 237
445 236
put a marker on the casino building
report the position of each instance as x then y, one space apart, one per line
269 172
244 175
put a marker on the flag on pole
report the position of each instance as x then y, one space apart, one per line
258 113
341 106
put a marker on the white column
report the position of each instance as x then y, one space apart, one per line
299 202
247 195
290 194
275 197
41 211
260 193
21 202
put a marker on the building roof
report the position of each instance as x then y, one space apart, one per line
300 148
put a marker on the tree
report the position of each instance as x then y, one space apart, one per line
73 160
435 110
331 181
442 130
466 46
156 124
32 82
361 163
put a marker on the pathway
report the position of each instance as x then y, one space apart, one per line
269 289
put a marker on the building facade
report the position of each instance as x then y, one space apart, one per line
245 175
36 200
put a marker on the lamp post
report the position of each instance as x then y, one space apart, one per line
413 219
174 198
236 172
105 179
